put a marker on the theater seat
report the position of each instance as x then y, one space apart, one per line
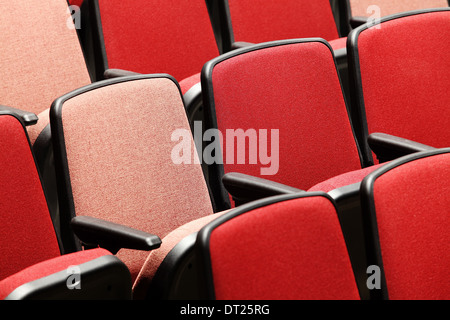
245 22
32 265
308 258
285 99
405 207
114 144
174 37
399 88
266 20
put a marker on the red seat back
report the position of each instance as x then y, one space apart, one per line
400 87
289 248
267 20
173 36
26 230
406 205
290 90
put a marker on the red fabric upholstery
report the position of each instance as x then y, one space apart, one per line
412 212
294 89
405 87
293 250
24 220
344 179
337 44
189 82
76 2
363 8
262 20
47 268
172 36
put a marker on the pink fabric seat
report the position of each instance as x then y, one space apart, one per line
38 64
113 143
366 8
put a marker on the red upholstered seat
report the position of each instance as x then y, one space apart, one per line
294 250
173 37
344 179
400 88
76 2
291 86
406 207
29 246
268 20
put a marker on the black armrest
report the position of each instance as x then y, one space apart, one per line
111 236
244 188
28 118
388 147
240 44
357 21
116 73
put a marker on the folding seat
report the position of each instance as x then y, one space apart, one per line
405 207
294 250
32 266
42 57
398 88
246 22
262 21
173 37
114 146
285 99
359 11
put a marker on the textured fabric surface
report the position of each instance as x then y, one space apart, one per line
47 268
118 142
41 55
362 8
261 20
289 250
337 44
76 2
294 89
405 87
170 36
344 179
189 82
156 257
26 231
412 211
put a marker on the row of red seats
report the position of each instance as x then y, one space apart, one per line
107 147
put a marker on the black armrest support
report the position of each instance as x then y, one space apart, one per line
244 188
116 73
357 21
112 236
28 118
388 147
240 44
